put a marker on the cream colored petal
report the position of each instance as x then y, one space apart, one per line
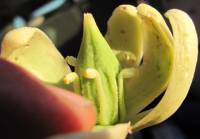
152 77
32 49
186 51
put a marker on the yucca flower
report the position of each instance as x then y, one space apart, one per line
122 73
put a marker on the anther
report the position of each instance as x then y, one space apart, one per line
71 60
90 73
71 77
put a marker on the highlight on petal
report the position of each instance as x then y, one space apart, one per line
32 49
186 53
29 109
118 131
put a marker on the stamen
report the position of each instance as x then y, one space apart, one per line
71 60
125 73
128 57
128 72
130 128
73 78
90 73
69 78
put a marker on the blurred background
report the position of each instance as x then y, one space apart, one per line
62 21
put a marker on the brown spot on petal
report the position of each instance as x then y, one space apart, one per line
122 31
124 7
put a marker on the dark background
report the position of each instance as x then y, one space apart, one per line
64 26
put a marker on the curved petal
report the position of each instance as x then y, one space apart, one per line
32 49
29 109
156 69
151 78
186 51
